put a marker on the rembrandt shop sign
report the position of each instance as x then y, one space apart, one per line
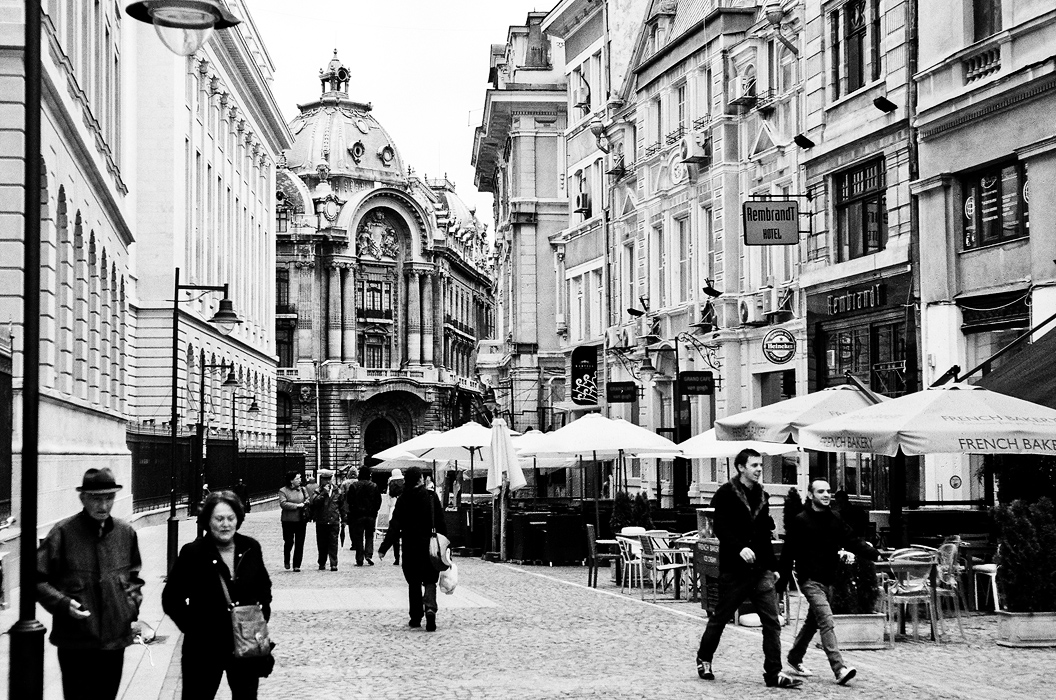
870 297
854 299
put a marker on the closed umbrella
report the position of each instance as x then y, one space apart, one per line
957 419
783 420
504 474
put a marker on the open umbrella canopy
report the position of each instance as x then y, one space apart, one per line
783 420
959 419
504 459
707 446
456 443
404 461
596 437
416 442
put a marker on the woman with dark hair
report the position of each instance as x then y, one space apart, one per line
194 598
293 506
416 514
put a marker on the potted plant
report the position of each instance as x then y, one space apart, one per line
622 512
640 512
1026 560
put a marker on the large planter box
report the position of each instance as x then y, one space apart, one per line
1026 629
860 631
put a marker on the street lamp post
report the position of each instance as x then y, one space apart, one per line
225 320
253 408
196 462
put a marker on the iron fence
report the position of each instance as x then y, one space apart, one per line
152 468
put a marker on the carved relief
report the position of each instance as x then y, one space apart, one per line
376 237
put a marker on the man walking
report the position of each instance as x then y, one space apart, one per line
815 544
88 579
747 567
363 502
326 512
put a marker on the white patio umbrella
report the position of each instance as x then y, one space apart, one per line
401 449
707 446
504 474
403 461
954 419
783 420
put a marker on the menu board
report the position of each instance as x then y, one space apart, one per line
989 208
1009 202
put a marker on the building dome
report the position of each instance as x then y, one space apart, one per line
341 136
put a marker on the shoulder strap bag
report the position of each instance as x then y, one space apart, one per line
248 627
439 545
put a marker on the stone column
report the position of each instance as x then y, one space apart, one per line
333 316
414 318
428 322
349 352
305 311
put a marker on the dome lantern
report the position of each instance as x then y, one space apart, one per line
336 74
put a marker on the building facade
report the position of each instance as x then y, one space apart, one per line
986 87
517 156
384 286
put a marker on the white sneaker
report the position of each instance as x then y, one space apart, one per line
799 670
845 675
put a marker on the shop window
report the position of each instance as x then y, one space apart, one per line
995 205
889 366
282 220
847 351
861 212
853 473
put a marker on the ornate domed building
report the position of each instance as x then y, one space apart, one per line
384 286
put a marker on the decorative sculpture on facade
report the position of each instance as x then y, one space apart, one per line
376 237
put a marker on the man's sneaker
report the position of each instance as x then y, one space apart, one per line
845 675
430 622
799 670
370 561
704 669
783 680
414 622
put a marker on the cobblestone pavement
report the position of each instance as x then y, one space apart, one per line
537 632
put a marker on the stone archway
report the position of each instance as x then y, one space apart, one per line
378 435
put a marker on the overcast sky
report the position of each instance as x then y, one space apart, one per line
423 64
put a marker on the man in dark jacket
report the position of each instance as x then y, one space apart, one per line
88 579
417 513
326 512
815 544
363 501
747 567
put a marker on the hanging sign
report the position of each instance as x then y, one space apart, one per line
696 383
585 375
771 222
621 392
779 346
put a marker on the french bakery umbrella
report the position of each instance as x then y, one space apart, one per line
707 446
504 474
604 438
783 420
952 419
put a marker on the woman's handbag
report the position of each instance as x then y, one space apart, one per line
439 545
249 629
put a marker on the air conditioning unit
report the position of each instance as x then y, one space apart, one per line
742 91
751 308
583 204
582 97
696 148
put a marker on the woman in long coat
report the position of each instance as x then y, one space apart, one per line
417 511
194 598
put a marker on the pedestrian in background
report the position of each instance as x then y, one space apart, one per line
363 501
326 512
814 544
416 513
747 567
194 598
345 476
88 579
242 491
293 506
395 489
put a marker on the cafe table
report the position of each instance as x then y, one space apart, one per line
905 568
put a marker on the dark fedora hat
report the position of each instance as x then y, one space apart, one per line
99 481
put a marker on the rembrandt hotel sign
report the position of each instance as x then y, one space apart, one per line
772 222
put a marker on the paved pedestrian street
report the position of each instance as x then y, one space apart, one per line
538 632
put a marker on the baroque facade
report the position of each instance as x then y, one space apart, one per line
383 283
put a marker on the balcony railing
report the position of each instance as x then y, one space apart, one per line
701 122
285 310
384 373
675 136
982 64
652 148
374 314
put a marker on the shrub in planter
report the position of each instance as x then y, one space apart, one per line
793 505
855 590
1026 555
640 512
622 512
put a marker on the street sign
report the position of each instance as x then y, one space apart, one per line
696 383
621 392
771 222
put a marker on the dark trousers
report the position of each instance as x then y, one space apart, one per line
421 590
734 589
293 539
819 619
202 671
91 674
363 536
326 539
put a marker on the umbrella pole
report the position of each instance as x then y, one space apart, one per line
896 480
597 492
471 543
502 520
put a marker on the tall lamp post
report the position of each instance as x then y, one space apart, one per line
225 320
253 408
196 461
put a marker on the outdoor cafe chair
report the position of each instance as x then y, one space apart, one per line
658 564
594 557
906 589
631 564
948 584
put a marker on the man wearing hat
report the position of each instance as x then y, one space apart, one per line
326 512
88 579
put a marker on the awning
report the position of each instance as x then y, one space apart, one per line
1030 374
570 407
